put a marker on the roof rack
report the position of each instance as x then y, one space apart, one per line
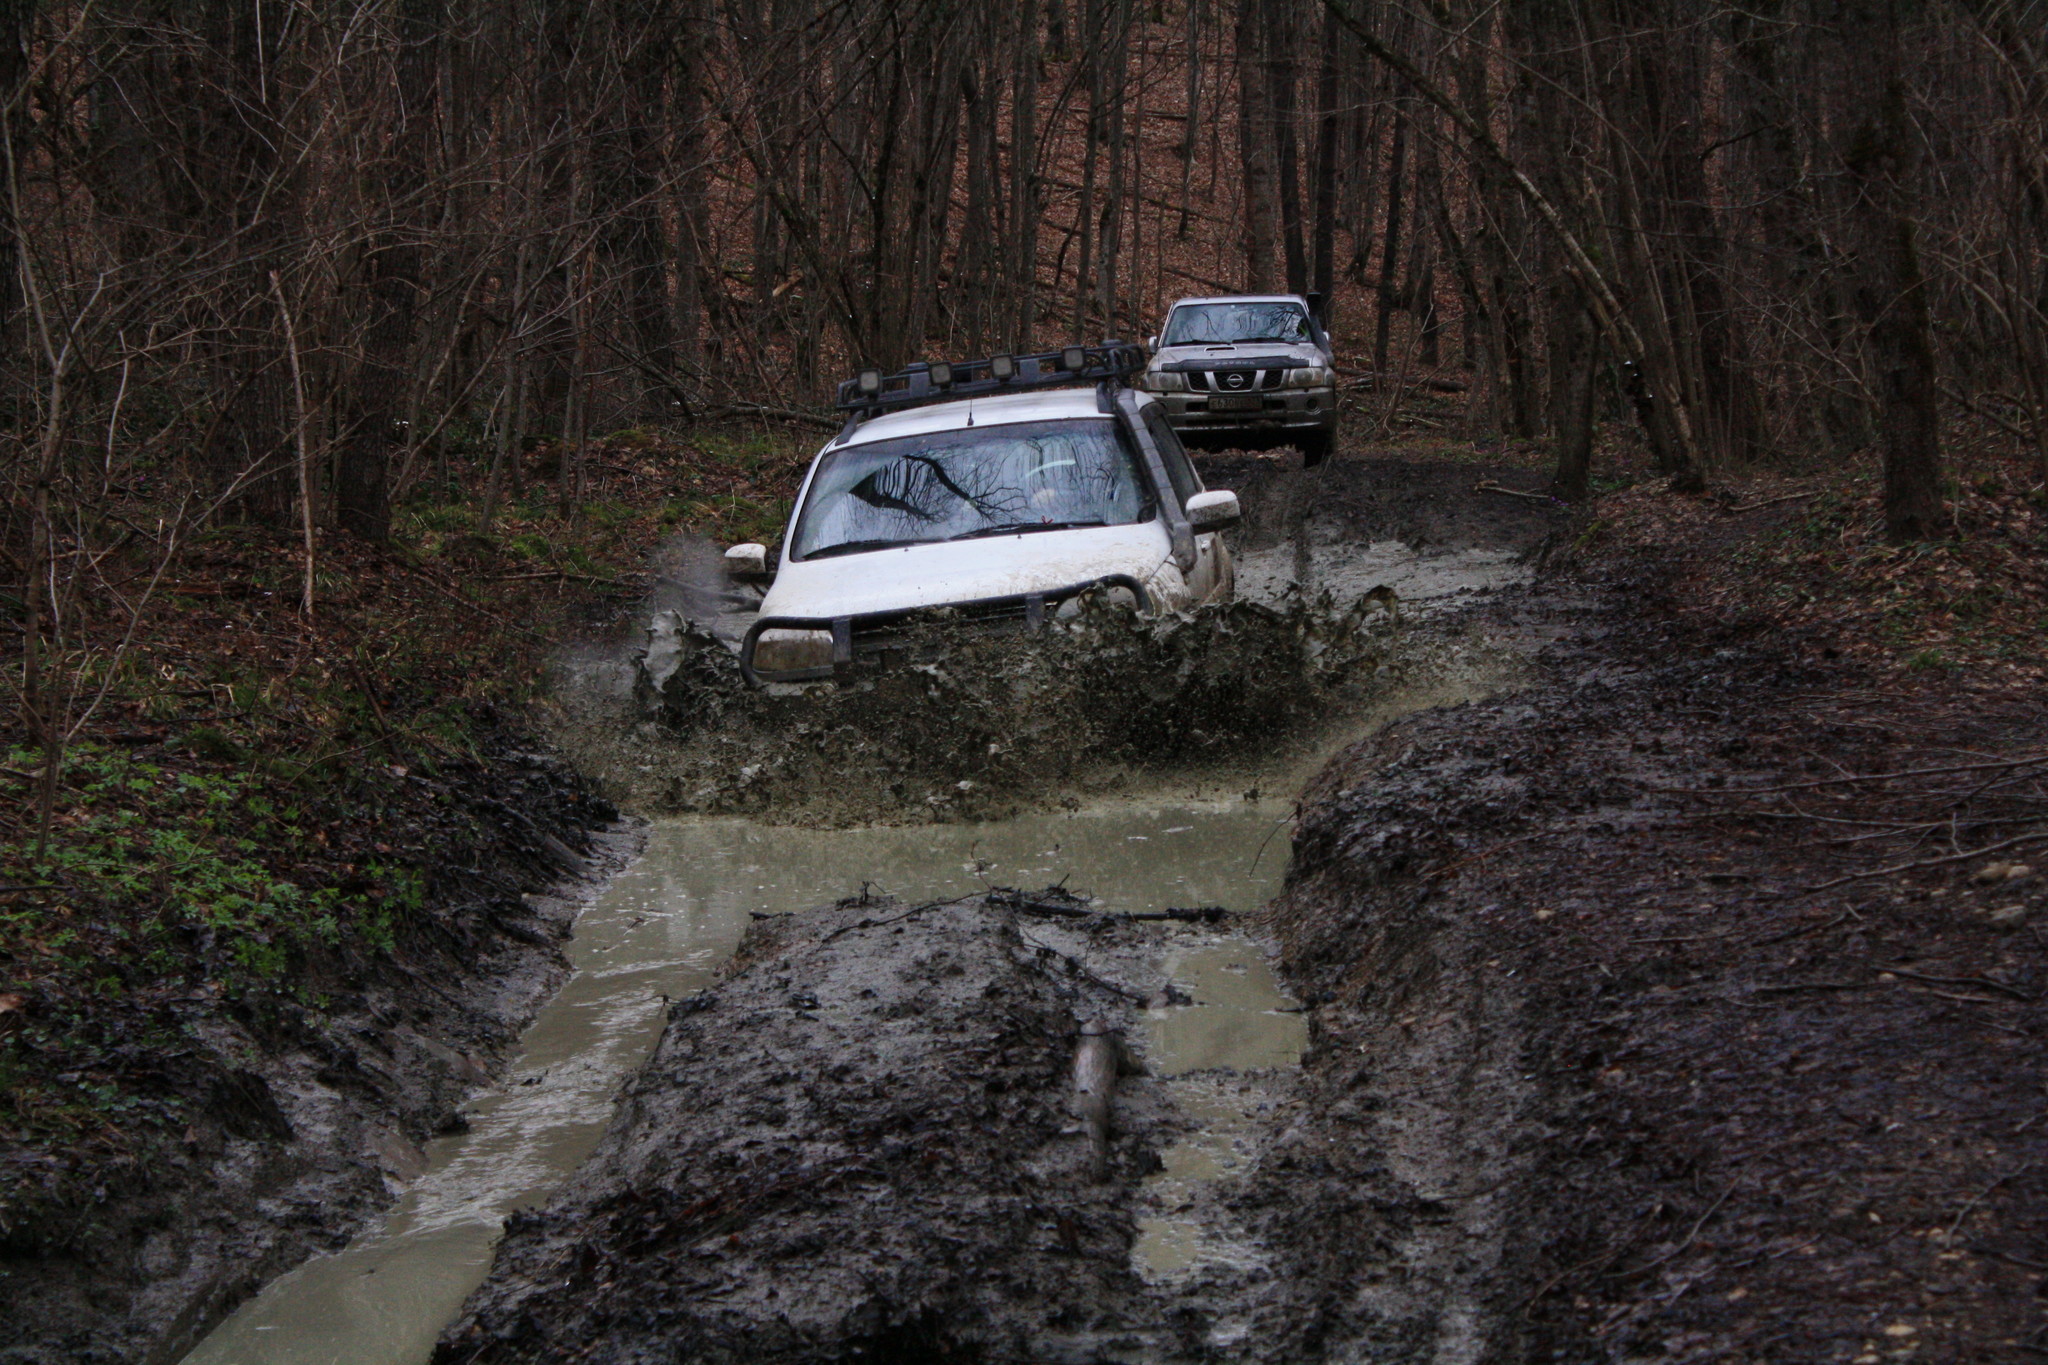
872 393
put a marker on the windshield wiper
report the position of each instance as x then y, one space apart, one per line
1019 527
847 547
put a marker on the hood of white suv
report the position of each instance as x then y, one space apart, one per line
909 576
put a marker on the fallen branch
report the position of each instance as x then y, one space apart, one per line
621 581
1986 982
738 409
1373 378
2001 765
1770 502
1076 909
1491 486
1895 868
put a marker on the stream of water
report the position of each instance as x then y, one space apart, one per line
660 931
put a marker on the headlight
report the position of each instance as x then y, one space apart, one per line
1163 381
786 651
1313 377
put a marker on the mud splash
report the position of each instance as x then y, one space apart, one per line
1220 700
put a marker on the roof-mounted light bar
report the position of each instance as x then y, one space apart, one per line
871 392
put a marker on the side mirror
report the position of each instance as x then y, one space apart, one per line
747 560
1152 343
1213 510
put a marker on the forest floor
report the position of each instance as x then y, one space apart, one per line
1742 1074
303 880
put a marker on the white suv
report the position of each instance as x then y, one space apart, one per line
993 491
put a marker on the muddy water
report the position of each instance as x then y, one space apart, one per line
661 929
1226 1060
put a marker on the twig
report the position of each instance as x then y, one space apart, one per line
2007 763
1931 862
739 409
1690 1237
1986 982
1799 932
1492 486
1981 1196
1770 502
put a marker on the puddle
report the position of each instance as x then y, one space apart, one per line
1347 569
1226 1060
660 931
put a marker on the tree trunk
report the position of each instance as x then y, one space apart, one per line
1574 361
1255 151
1283 84
1881 155
1390 249
1323 274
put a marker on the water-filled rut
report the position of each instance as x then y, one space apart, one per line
661 931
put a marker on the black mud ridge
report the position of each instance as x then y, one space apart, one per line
1689 1049
314 1106
858 1147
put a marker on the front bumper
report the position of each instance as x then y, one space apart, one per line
874 634
1287 412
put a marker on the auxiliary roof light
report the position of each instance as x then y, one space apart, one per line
942 373
1073 358
1002 367
871 382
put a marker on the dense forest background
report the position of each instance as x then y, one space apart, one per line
298 255
294 262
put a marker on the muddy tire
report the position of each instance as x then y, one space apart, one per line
1314 448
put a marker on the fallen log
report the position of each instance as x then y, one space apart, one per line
1075 908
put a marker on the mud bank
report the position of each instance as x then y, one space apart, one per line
857 1147
313 1105
1655 1068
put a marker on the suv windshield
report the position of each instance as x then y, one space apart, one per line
954 485
1195 324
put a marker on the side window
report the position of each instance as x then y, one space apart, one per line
1171 454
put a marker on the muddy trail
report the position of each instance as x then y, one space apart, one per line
867 1142
1601 1058
1212 1037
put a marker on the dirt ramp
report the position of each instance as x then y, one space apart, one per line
860 1146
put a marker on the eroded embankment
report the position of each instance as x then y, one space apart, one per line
304 1109
1674 1076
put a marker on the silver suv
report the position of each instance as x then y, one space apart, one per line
1247 370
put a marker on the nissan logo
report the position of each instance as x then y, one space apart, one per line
1236 379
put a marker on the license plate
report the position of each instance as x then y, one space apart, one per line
1235 402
